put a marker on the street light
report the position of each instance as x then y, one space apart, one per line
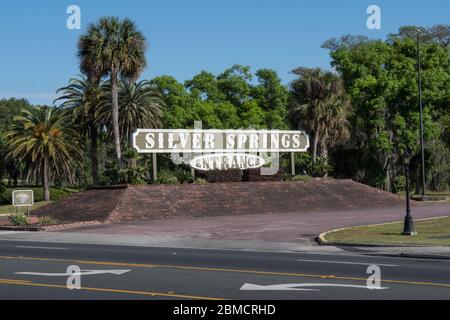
408 226
422 191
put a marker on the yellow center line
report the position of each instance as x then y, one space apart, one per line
14 280
273 273
142 293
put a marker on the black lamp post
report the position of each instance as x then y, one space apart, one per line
408 226
419 83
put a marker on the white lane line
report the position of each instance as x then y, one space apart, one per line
67 274
46 248
347 262
302 286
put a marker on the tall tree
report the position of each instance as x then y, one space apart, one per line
113 47
381 78
41 137
319 104
82 98
140 106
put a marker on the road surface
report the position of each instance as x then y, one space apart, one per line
38 270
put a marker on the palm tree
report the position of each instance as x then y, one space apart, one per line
41 137
82 98
140 106
319 104
113 47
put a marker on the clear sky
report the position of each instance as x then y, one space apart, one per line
38 52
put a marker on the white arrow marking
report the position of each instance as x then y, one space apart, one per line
301 286
67 274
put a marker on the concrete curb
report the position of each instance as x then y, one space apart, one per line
410 255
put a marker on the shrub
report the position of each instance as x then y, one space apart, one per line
166 177
298 177
47 221
2 187
18 219
183 175
321 169
55 194
200 181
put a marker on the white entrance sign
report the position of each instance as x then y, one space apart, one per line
216 149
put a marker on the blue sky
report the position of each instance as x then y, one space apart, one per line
38 52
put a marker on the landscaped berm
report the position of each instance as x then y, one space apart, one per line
149 202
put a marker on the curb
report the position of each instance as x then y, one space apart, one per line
409 255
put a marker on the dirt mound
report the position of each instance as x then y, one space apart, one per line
90 205
193 200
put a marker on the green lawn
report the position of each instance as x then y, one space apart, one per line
430 232
9 209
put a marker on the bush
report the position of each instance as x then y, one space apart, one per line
200 181
321 169
399 184
298 177
183 175
18 219
166 177
2 188
47 221
55 194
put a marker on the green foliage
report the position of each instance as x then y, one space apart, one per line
18 220
48 221
321 168
381 78
166 177
43 139
399 184
183 175
200 181
55 194
299 177
228 100
2 188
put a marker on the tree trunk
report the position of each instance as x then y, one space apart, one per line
45 180
315 145
94 157
115 115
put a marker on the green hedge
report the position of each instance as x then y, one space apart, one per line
55 194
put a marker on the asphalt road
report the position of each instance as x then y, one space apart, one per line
38 270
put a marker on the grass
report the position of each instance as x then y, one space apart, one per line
9 209
430 193
435 232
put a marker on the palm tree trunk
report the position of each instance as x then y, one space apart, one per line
45 180
115 115
94 157
315 145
